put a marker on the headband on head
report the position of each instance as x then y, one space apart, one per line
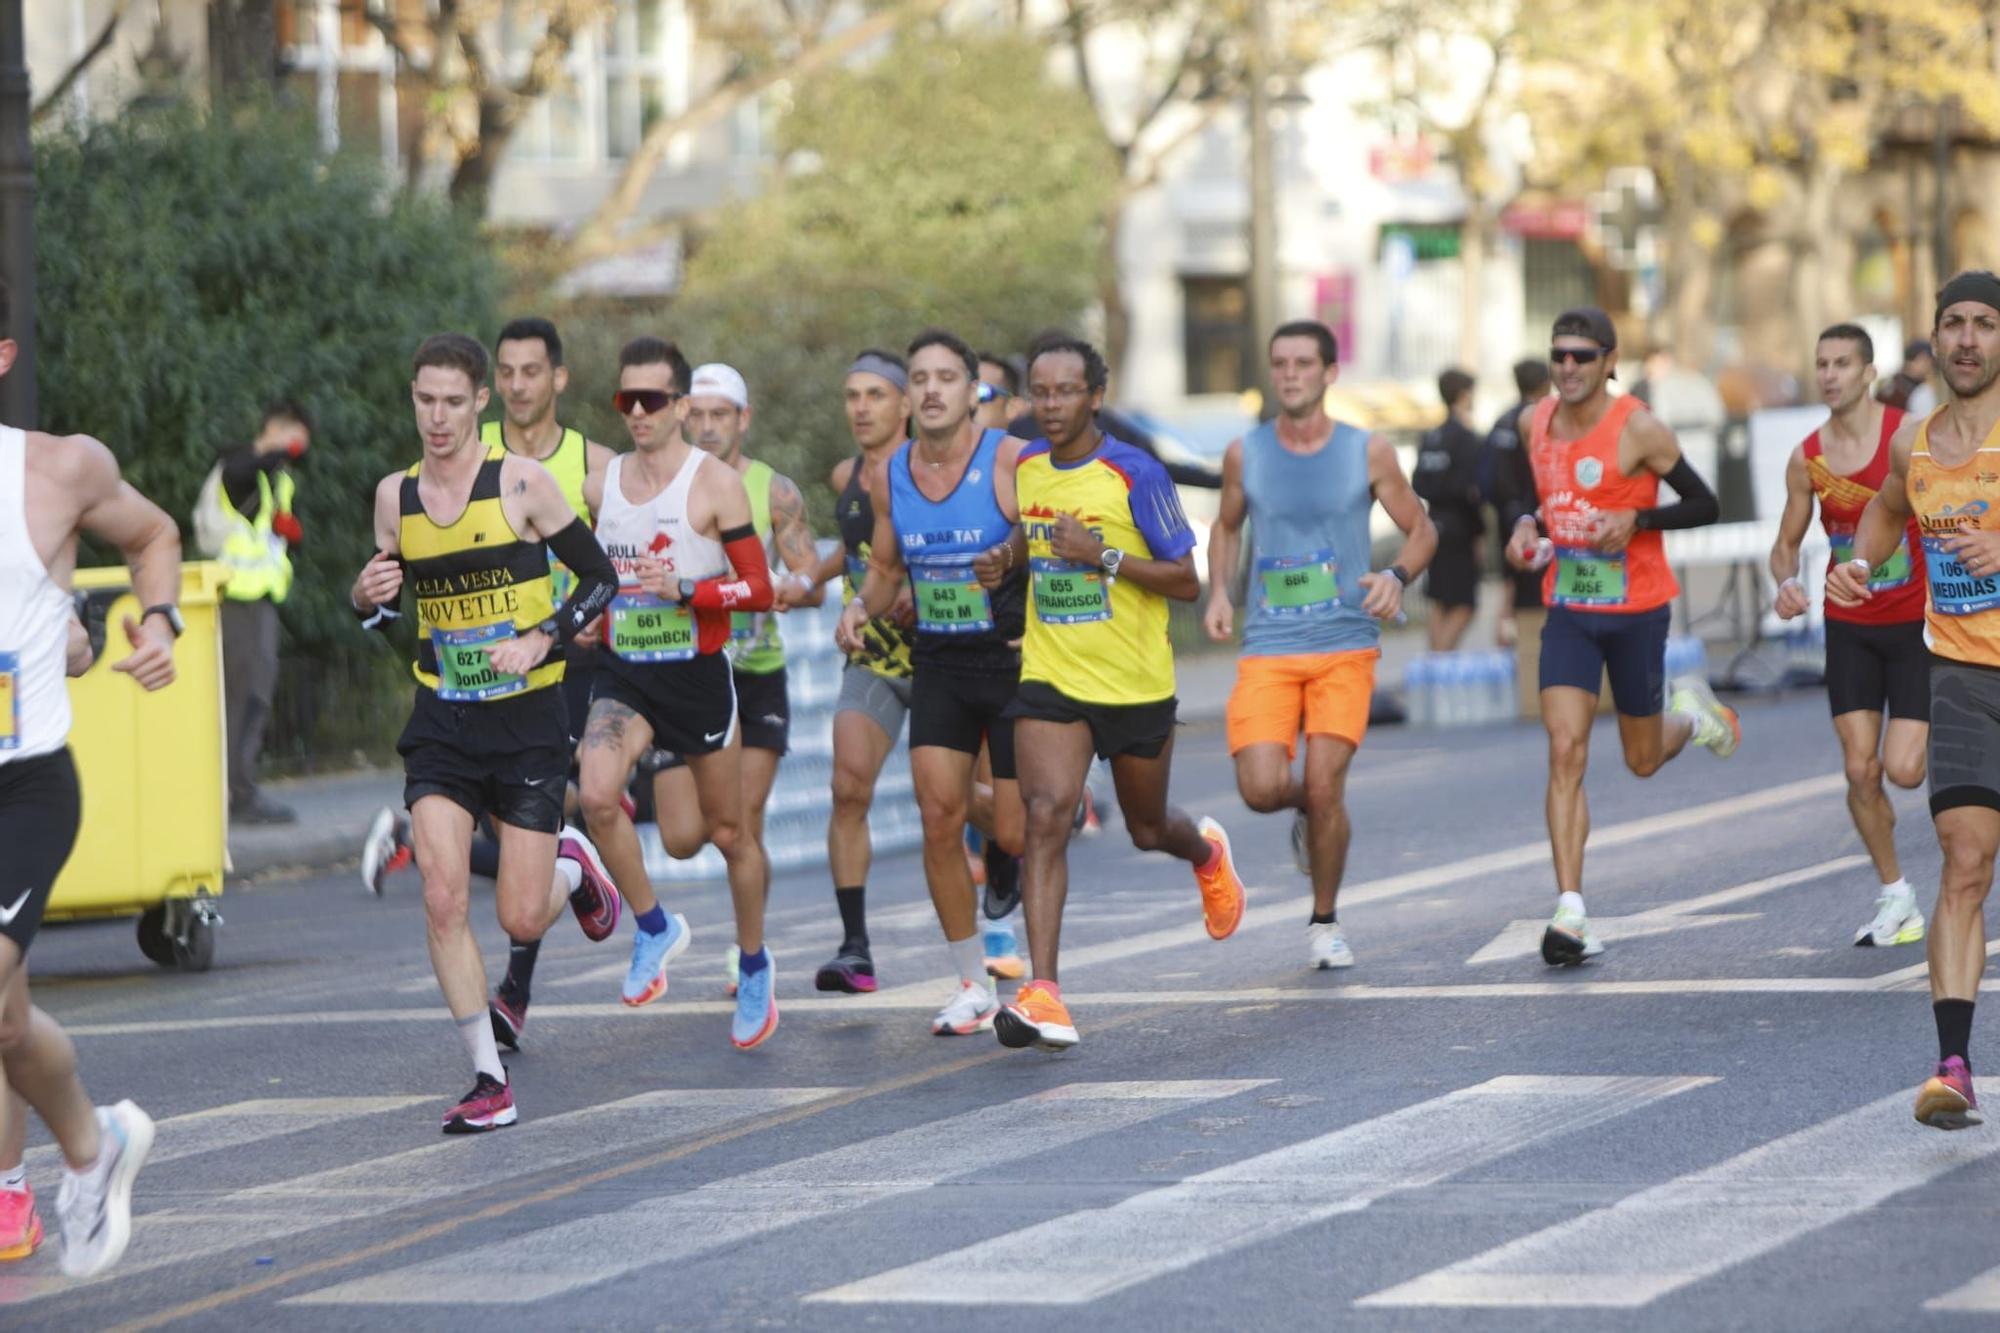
1972 286
868 363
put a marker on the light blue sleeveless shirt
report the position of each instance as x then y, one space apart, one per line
1308 544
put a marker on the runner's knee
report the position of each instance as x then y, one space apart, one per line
1864 774
445 904
1568 755
1905 772
1968 868
1049 815
853 792
523 921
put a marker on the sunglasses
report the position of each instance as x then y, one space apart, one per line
648 401
1582 356
990 392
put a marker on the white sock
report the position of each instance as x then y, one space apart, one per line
571 872
1694 721
1573 901
478 1034
16 1181
970 955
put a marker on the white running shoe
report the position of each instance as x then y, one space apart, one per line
1897 921
1717 728
970 1011
1568 939
94 1207
1326 946
378 849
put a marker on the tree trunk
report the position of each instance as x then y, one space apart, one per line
472 178
1111 291
1687 272
1472 246
242 47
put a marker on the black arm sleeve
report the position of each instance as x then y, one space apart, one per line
596 579
1697 506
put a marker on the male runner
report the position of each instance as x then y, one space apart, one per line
875 683
1598 463
677 525
51 488
1307 483
945 497
718 417
1875 653
1105 545
471 528
1945 469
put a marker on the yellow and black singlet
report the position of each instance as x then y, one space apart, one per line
477 582
569 464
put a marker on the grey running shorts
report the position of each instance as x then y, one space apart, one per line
886 699
1965 735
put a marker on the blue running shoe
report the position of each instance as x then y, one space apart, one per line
647 979
756 1005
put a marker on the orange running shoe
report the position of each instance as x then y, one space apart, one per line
1035 1017
20 1224
1221 889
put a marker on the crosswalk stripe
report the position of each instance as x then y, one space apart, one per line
1979 1296
1659 1240
239 1123
1083 1256
581 1253
177 1235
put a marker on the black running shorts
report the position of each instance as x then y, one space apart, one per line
507 758
956 712
40 808
1140 730
763 711
1870 666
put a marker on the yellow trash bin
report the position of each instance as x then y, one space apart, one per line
155 803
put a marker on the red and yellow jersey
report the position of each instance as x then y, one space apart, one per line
1964 616
1897 586
1094 638
1578 480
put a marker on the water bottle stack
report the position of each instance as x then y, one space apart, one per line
1459 689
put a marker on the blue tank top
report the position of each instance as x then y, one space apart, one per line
960 625
1308 544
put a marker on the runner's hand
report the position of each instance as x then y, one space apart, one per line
1073 542
1792 600
1521 546
1847 584
1977 550
78 656
847 630
1382 595
521 654
991 565
790 590
904 612
381 580
1220 618
652 575
152 659
1615 529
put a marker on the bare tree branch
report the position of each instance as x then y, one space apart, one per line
83 62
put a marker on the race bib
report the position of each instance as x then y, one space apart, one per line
742 626
1067 594
1956 590
10 701
646 629
857 570
562 581
465 673
1298 585
1891 573
950 600
1589 578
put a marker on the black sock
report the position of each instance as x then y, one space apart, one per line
853 917
1954 1025
520 969
485 857
1324 918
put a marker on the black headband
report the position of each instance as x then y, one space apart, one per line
1976 285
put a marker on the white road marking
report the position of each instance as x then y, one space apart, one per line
239 1123
1662 1239
1979 1296
1083 1256
563 1258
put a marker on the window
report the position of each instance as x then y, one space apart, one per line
1216 321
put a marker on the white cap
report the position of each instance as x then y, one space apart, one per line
719 381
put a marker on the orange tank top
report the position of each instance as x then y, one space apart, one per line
1964 612
1579 480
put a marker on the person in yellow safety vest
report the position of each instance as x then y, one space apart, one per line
260 531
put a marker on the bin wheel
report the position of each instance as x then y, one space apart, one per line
153 939
198 952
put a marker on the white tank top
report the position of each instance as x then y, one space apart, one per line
34 624
658 528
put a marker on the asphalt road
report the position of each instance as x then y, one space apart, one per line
1708 1127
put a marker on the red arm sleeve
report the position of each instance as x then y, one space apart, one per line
749 590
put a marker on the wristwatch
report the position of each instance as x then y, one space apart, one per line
1402 575
686 589
550 628
1111 559
173 615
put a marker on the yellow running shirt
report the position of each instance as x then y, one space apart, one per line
1964 613
1093 638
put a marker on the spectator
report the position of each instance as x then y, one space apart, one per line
1910 388
248 504
1509 483
1447 477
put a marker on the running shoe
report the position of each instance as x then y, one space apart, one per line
489 1105
1086 824
20 1224
1035 1017
1326 946
1003 882
756 1006
1717 728
1003 952
732 970
509 1019
970 1010
94 1207
1897 921
646 980
1301 846
1946 1101
1568 939
383 851
975 861
851 970
1221 889
596 901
